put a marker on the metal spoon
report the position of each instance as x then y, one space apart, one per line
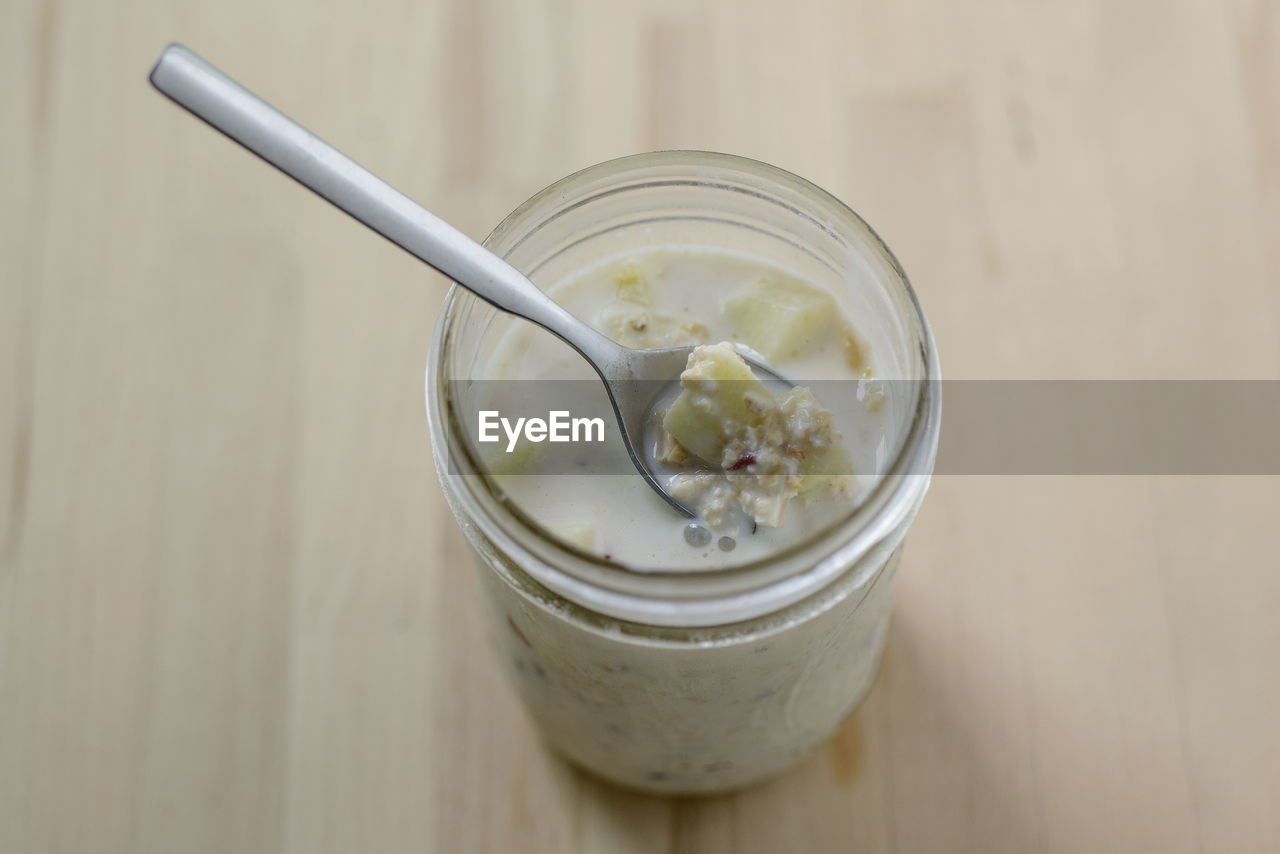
628 374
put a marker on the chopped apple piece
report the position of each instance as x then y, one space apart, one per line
716 404
631 283
780 318
669 450
523 456
582 536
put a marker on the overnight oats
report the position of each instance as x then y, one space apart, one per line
663 652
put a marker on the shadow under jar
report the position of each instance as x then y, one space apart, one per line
691 680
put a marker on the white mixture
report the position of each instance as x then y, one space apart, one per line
589 495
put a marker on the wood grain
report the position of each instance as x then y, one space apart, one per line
235 613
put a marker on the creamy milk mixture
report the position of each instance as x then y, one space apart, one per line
588 494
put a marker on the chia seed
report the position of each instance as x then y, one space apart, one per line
696 535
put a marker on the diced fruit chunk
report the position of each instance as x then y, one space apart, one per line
523 457
716 404
631 283
582 536
669 450
780 318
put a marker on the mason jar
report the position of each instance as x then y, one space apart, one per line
691 680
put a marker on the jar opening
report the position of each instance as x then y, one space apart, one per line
545 237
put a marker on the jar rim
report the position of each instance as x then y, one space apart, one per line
698 596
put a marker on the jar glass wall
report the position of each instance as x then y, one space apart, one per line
692 681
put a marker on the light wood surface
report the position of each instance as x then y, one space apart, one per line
235 613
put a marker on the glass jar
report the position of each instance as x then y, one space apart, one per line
687 681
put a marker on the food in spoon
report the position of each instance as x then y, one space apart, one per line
769 448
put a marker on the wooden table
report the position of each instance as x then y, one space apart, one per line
235 613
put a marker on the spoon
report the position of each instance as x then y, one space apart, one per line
628 374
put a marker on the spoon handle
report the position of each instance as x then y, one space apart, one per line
210 95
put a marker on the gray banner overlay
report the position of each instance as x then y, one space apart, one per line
1057 427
